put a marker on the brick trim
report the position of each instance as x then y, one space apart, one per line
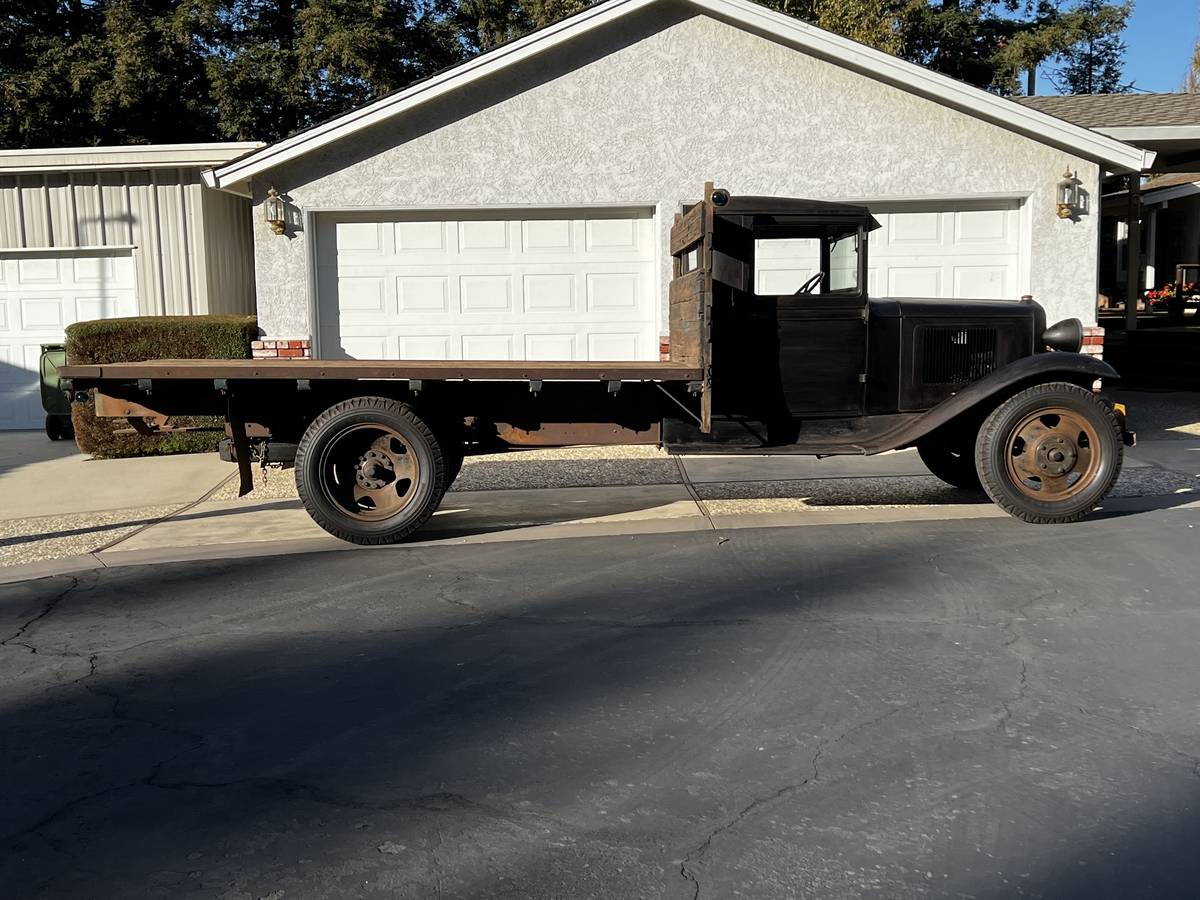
282 348
1093 341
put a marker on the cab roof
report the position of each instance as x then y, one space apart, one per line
791 211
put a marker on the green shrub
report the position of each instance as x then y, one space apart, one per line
153 337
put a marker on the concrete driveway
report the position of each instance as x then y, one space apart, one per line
969 708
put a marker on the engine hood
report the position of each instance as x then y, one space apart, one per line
934 308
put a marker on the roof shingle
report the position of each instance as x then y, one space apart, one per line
1119 110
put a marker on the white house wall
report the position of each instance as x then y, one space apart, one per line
185 263
644 114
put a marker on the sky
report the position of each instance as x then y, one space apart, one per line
1159 40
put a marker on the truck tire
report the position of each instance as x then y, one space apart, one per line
454 454
369 470
1050 453
951 461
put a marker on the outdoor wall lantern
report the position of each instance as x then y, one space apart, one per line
274 212
1068 195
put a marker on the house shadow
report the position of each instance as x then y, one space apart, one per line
198 756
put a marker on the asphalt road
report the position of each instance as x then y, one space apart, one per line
971 708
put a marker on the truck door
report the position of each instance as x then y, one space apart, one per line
820 301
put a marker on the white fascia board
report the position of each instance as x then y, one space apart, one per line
147 156
786 29
1153 132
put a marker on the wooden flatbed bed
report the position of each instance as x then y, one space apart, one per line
367 370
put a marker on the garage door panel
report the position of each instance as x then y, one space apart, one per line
981 282
550 293
362 294
485 236
551 346
984 226
612 290
420 237
913 230
485 294
360 238
38 271
431 347
365 347
914 281
43 314
422 295
536 286
548 236
617 346
487 346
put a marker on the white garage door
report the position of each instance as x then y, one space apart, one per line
41 293
547 286
965 249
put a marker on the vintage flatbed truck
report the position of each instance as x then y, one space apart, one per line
987 393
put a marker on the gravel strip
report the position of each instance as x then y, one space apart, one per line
54 537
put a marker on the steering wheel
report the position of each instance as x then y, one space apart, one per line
811 285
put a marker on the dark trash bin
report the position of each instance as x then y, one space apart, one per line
54 400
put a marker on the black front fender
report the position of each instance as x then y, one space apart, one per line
1076 368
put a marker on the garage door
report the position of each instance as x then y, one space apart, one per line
969 250
41 293
546 285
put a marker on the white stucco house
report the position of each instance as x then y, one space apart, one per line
101 232
518 205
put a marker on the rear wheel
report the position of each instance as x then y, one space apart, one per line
370 471
1050 453
952 460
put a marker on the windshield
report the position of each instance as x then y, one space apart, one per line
816 260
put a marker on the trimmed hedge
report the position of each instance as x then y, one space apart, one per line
153 337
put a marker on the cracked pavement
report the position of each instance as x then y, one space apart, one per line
970 708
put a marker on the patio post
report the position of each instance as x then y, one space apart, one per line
1133 246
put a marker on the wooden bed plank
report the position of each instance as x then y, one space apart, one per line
354 369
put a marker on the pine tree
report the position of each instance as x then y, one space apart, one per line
89 71
1094 63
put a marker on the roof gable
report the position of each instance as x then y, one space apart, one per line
749 16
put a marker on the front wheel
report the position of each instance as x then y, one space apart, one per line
953 461
369 470
1050 453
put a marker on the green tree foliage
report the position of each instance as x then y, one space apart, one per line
275 66
1094 61
1001 44
87 72
878 23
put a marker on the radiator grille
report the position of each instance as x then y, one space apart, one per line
956 354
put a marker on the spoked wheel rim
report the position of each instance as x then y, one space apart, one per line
1053 454
371 472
